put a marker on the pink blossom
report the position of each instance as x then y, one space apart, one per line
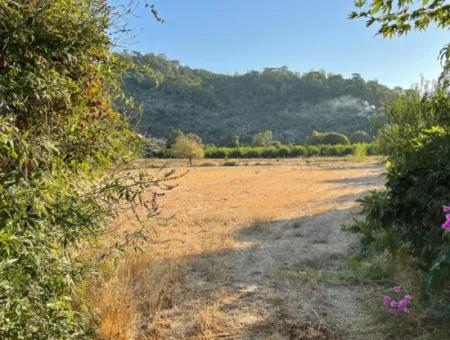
397 289
393 304
446 209
446 224
408 298
403 304
387 300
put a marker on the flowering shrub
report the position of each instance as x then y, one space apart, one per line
446 224
397 304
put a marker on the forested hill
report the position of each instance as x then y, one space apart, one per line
218 106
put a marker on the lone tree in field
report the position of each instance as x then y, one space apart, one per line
188 146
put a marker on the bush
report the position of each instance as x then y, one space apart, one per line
360 152
313 150
235 153
359 137
327 138
58 133
251 153
334 138
345 150
328 150
269 152
283 151
215 152
298 150
408 215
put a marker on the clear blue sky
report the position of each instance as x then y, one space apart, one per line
230 36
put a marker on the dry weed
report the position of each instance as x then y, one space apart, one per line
132 291
208 324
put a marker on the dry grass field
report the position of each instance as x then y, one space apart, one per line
250 251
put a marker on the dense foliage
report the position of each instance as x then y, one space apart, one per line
399 17
188 146
58 131
279 151
407 216
289 104
327 138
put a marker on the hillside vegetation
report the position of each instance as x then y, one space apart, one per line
218 107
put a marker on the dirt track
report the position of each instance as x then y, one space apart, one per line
263 252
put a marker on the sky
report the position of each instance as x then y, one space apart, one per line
228 36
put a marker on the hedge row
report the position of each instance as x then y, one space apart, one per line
283 151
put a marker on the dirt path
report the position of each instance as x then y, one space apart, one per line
264 253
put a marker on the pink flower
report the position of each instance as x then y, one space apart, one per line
393 304
387 300
397 289
446 224
446 209
408 298
403 304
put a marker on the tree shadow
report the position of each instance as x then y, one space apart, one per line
277 281
375 179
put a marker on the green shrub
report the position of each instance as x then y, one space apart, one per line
334 138
251 153
215 152
328 150
59 138
313 150
283 151
269 152
346 150
373 149
327 138
298 150
360 152
359 137
408 215
235 153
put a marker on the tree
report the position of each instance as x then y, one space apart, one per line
327 138
262 138
316 138
360 137
333 138
195 138
416 139
187 146
174 134
235 142
401 16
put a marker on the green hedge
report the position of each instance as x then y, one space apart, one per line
285 151
281 151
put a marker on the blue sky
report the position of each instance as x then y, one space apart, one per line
230 36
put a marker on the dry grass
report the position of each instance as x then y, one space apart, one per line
131 290
145 295
207 324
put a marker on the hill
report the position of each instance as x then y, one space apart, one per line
218 106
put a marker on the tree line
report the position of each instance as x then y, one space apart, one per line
290 104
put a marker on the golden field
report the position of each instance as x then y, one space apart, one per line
240 252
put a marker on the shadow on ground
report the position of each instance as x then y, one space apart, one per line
280 280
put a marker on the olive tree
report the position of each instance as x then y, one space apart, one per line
188 146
